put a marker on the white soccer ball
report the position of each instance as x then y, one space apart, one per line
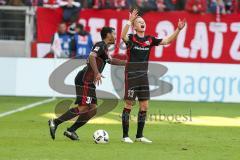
100 136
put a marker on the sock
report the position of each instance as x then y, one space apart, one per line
125 121
82 120
141 123
70 114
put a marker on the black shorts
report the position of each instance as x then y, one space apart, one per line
137 86
85 91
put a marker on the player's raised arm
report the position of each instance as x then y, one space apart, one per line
171 38
93 63
132 17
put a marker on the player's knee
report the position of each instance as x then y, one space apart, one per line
128 104
144 108
143 105
79 109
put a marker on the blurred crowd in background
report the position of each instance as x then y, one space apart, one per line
72 40
196 6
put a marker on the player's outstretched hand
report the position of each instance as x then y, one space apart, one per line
181 24
133 15
98 79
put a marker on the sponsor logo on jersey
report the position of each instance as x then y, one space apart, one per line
141 48
147 43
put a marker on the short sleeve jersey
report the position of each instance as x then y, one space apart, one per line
138 51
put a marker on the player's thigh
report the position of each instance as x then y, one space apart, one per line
82 109
143 91
130 85
87 110
143 104
93 109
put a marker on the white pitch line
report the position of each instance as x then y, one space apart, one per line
32 105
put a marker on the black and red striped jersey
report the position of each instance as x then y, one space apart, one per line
101 49
138 51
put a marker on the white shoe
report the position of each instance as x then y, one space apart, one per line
143 140
127 140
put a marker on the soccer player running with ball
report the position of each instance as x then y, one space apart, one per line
136 77
85 81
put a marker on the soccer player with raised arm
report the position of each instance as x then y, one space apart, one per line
136 77
85 81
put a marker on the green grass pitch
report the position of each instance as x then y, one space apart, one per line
213 133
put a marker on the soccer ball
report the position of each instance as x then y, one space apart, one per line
100 136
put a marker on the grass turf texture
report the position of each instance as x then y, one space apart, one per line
25 135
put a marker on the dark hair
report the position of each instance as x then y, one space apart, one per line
105 31
80 26
62 23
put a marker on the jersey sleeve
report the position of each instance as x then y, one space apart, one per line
98 49
155 41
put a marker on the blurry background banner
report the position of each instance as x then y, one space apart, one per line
204 40
191 81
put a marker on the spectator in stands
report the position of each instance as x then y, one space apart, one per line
217 6
237 8
229 6
101 4
172 5
138 4
3 2
98 4
120 4
15 3
61 42
82 42
34 2
150 5
196 6
144 5
130 3
71 10
86 3
160 5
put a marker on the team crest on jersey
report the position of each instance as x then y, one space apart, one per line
147 42
96 48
